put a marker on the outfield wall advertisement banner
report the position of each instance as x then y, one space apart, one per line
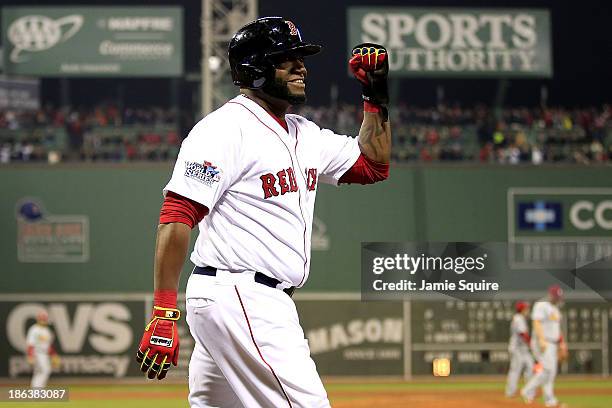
457 41
349 337
44 238
97 335
21 94
92 337
541 220
93 41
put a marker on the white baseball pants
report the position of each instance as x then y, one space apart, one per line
521 362
250 350
546 377
42 370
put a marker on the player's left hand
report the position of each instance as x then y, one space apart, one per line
56 361
562 352
160 343
370 64
537 367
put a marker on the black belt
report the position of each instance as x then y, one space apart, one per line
259 278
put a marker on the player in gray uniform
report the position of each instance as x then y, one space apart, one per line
546 339
521 360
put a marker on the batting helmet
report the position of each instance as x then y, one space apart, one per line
520 306
555 292
256 47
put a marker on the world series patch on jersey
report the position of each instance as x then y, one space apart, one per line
205 172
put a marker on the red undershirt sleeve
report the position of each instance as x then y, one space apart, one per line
177 208
525 336
365 171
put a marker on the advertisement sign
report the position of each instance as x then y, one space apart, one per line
92 337
542 221
353 338
22 94
44 237
93 41
457 42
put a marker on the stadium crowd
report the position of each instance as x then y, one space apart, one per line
103 133
435 134
481 134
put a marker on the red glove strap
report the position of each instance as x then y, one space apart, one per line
371 107
165 298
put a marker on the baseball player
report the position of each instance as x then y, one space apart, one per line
247 174
546 342
40 352
521 360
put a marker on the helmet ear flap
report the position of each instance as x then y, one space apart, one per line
252 76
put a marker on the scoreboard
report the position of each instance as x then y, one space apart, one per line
473 336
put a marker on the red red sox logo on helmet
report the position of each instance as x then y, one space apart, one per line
292 28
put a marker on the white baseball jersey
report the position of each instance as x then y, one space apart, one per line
40 337
550 319
259 183
518 326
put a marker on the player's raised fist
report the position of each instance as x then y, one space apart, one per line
369 56
369 63
160 343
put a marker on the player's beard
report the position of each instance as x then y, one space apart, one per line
280 89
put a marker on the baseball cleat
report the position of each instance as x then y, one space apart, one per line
526 399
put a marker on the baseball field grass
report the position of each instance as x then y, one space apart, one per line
442 393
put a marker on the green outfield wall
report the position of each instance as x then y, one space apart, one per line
94 230
78 241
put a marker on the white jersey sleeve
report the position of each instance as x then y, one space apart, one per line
338 154
207 161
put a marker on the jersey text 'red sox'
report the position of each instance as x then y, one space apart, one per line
284 182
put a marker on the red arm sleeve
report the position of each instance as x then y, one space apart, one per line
30 351
52 351
526 338
365 171
177 208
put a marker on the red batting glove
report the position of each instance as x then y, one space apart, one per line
160 341
369 64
